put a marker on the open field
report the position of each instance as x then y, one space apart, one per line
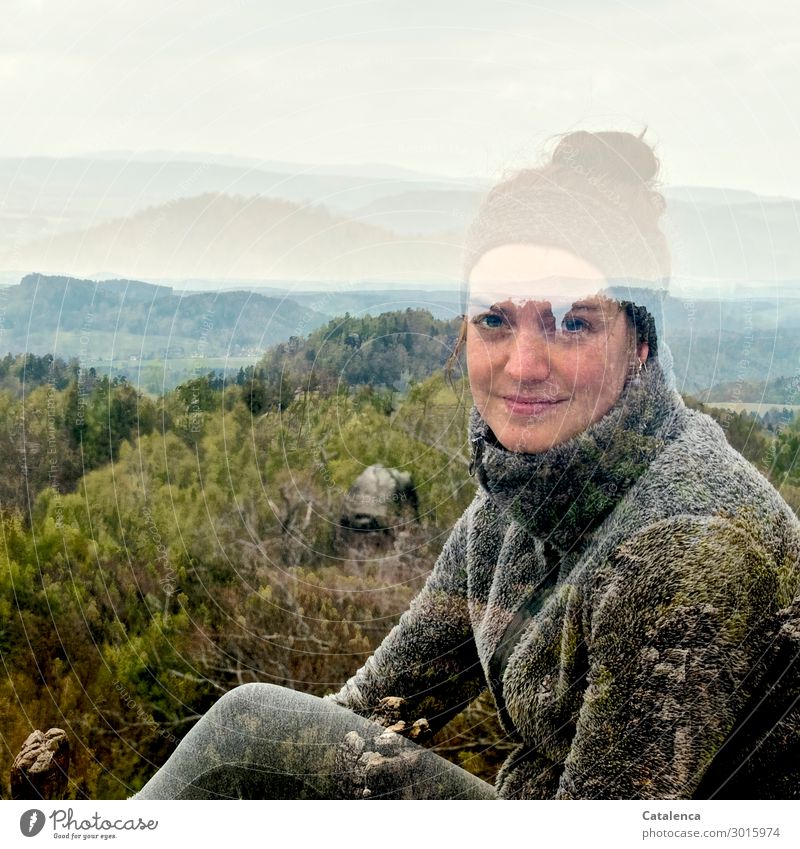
759 409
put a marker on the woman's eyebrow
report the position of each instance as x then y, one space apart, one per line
498 308
521 303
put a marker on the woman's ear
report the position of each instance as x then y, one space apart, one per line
642 352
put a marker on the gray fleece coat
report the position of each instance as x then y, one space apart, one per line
630 597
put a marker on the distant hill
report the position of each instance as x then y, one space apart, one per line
390 350
440 303
157 335
728 343
221 236
124 319
722 345
423 211
150 215
714 316
370 170
747 246
44 196
748 241
781 390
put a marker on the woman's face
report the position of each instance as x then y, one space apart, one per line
546 355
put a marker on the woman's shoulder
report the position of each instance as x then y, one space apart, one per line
699 473
702 512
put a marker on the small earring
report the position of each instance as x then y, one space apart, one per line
636 369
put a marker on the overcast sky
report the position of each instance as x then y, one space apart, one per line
459 87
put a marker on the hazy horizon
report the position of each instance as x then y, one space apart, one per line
392 116
378 169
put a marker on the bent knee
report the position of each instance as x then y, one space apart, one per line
246 698
261 698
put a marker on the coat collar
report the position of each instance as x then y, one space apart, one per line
562 495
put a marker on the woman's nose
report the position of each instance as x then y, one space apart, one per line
529 357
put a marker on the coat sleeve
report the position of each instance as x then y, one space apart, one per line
675 635
429 658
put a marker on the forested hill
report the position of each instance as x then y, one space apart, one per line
388 350
124 319
722 351
157 337
50 405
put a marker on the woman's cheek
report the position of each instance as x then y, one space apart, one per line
480 368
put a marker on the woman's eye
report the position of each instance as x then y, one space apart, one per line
490 320
574 325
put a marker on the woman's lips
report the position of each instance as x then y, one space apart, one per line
531 406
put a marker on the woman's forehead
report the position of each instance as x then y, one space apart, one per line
523 273
527 263
547 299
557 297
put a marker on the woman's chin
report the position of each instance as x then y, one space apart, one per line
532 434
530 440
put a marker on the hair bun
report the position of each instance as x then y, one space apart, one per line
618 156
595 197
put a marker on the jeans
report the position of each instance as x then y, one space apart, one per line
260 741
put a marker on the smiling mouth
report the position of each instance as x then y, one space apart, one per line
531 406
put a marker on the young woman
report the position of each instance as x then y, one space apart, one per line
624 582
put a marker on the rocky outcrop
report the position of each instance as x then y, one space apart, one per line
380 499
